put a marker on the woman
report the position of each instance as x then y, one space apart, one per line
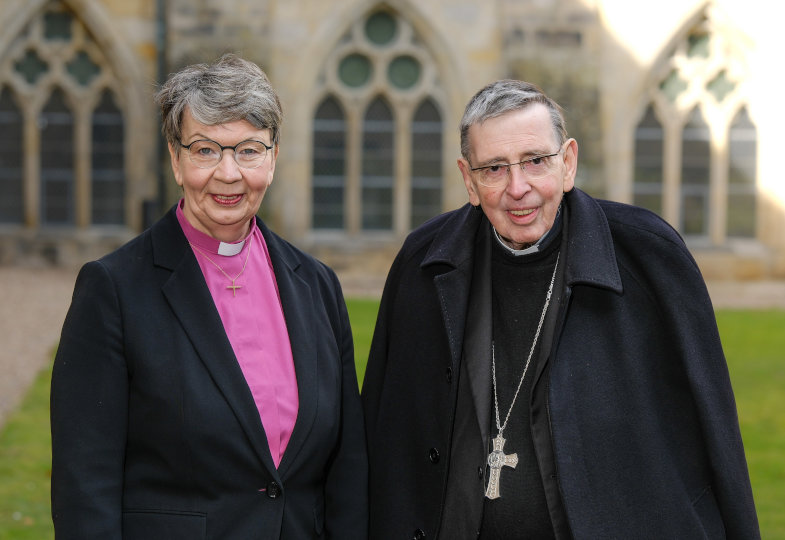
204 386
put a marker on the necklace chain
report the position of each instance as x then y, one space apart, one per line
499 425
230 278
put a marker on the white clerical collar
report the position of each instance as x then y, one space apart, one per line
536 246
227 250
207 242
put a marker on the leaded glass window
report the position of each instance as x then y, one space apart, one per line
380 28
11 182
377 139
329 165
57 24
57 161
83 69
648 162
426 163
65 124
31 67
404 71
377 166
695 164
742 200
108 167
695 146
355 70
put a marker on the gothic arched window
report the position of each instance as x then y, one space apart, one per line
377 152
67 125
695 147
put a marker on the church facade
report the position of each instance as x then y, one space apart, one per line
673 106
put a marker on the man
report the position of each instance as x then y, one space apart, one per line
545 364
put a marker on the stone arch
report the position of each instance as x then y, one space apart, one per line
335 27
699 67
125 81
316 78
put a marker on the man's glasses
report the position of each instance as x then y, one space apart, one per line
206 154
498 174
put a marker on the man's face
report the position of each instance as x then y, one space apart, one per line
521 209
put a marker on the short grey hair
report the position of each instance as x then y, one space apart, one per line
227 90
505 96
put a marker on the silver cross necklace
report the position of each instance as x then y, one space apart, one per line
497 458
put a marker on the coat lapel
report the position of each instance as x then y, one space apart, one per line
591 256
297 300
192 304
466 302
479 332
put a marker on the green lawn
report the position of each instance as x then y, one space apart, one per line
363 316
25 458
754 344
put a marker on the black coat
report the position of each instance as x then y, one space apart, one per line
155 433
643 422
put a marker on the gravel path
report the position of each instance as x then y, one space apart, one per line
34 302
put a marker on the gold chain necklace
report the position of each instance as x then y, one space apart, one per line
497 458
230 278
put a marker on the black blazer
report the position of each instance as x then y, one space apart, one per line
155 433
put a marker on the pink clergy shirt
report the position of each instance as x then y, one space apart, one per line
253 319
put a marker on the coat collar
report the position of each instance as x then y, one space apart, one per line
192 304
591 255
453 247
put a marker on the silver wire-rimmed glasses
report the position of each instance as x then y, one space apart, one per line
206 154
498 174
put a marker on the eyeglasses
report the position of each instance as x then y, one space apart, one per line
498 174
206 154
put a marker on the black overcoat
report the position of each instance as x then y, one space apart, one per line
155 433
645 434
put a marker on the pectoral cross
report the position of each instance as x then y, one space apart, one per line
234 288
496 460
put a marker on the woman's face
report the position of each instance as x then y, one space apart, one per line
220 201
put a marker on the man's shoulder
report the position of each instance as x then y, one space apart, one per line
635 221
624 220
642 235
